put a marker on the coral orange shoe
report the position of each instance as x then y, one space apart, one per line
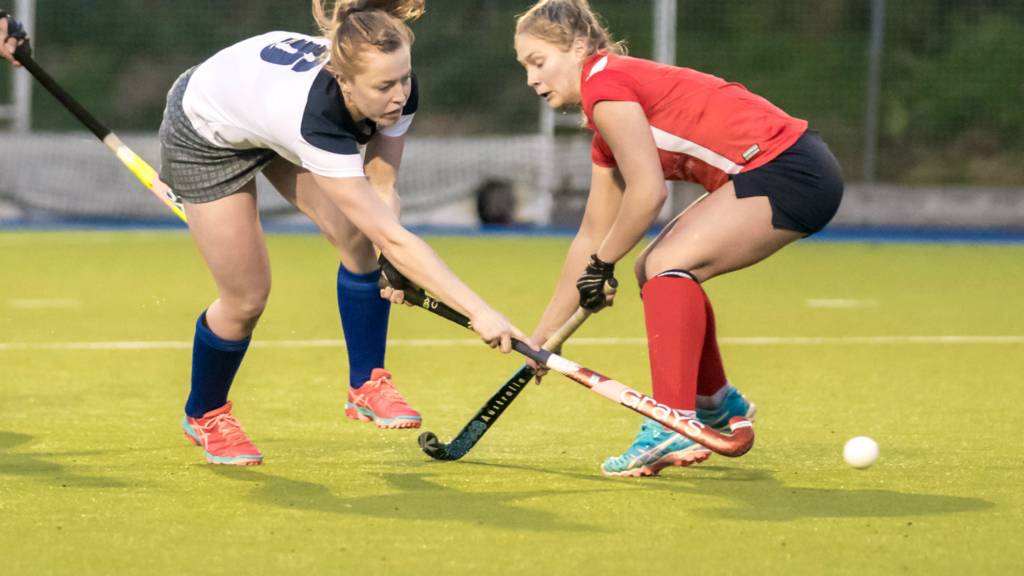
222 438
379 402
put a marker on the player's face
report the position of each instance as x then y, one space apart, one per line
380 90
553 73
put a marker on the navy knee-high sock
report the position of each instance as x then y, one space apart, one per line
214 364
364 320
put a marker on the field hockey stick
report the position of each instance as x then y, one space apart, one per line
143 171
471 433
732 445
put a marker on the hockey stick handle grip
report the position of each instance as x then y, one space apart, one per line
417 297
21 55
390 277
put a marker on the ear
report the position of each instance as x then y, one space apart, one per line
345 85
579 47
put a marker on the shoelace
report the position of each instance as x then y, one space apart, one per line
388 391
229 428
648 434
651 434
641 444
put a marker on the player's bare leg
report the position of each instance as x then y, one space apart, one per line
229 237
364 315
296 185
717 234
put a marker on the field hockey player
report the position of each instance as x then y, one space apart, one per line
771 181
298 108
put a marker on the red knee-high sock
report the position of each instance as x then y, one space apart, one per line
711 375
675 313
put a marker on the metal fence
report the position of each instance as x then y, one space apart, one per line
916 92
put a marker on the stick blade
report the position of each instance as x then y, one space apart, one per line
733 445
433 447
742 434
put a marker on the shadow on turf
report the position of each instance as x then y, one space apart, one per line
757 495
37 466
414 497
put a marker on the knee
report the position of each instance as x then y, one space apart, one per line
656 264
256 302
653 265
337 235
358 256
248 307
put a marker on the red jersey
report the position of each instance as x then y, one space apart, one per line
705 128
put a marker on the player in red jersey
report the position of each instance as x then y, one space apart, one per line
770 182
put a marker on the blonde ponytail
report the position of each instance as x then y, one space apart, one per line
560 22
355 25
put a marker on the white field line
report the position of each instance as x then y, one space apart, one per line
43 303
839 303
467 342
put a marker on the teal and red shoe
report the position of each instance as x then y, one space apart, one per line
654 449
379 402
734 404
222 438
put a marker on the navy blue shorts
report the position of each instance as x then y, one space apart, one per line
804 185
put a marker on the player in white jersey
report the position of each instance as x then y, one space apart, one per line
299 108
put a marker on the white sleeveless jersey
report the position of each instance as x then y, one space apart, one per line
272 92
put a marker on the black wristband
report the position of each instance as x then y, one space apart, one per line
599 265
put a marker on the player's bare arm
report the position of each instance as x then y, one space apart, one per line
625 128
383 159
414 259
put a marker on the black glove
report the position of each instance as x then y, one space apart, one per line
16 30
592 283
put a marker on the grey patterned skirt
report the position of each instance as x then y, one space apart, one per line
195 169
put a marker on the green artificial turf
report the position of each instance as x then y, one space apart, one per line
830 340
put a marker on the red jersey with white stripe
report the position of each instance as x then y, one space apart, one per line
705 128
